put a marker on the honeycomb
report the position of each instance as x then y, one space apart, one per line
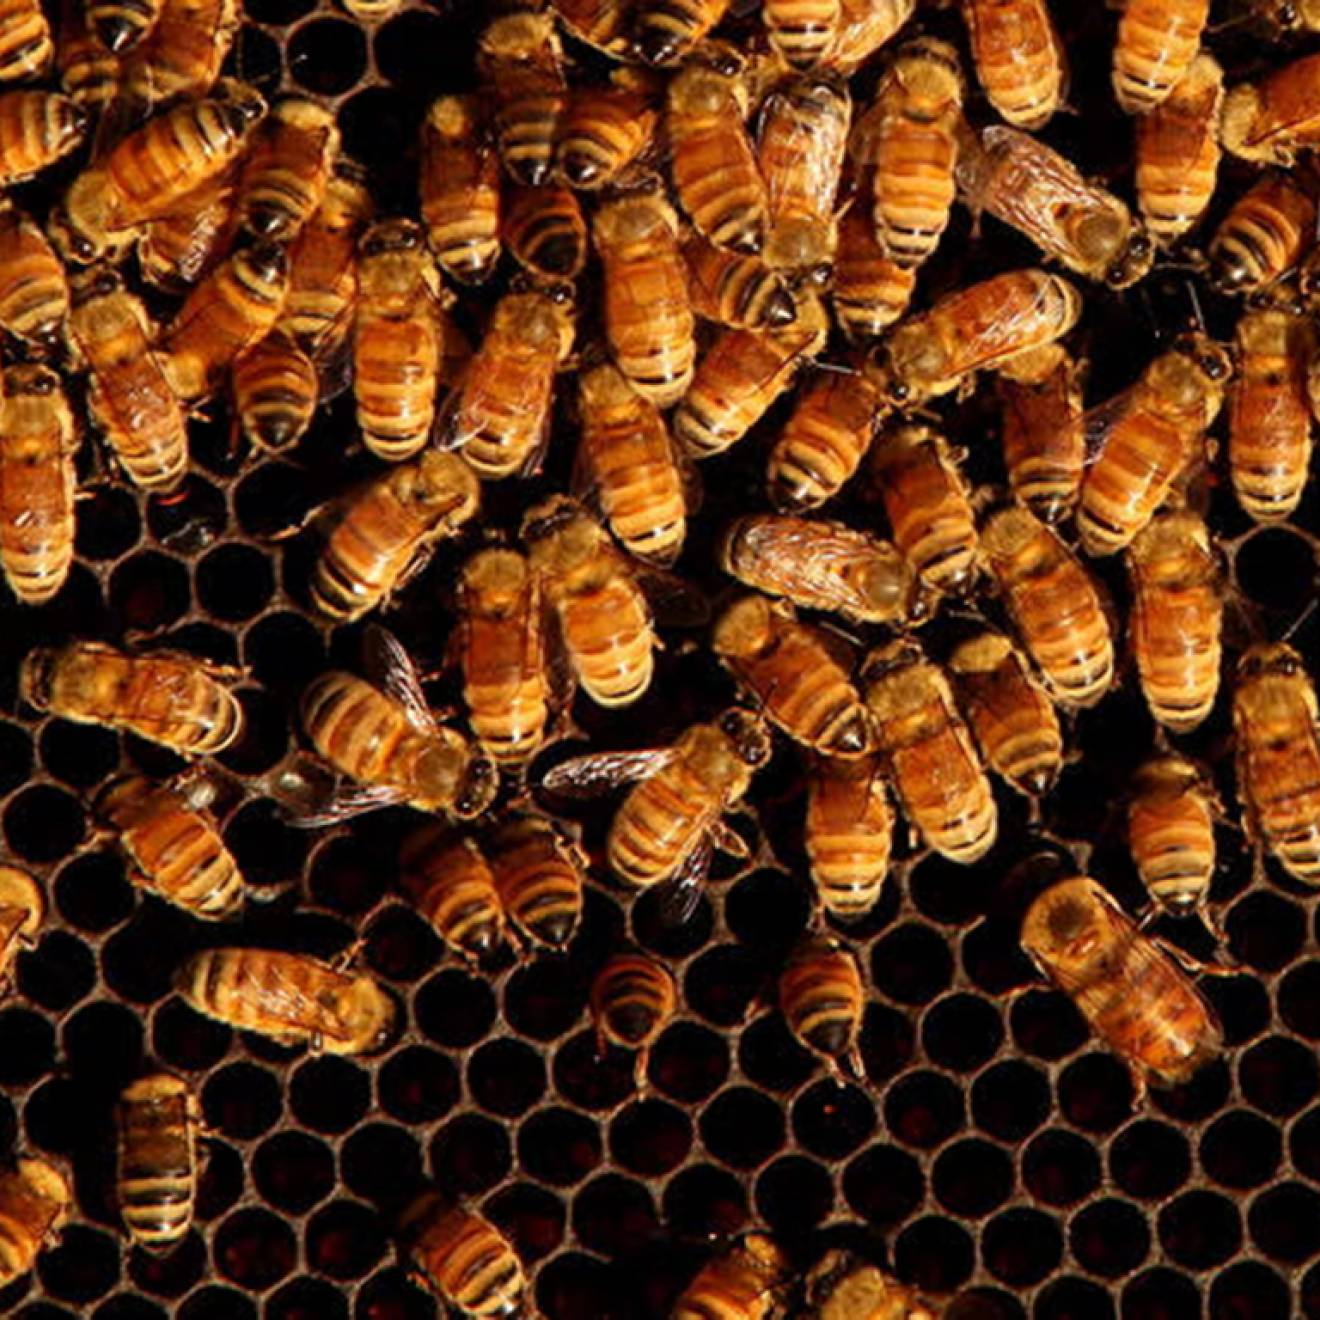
991 1155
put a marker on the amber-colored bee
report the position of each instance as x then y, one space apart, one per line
1058 610
666 826
1157 42
184 52
599 23
88 72
735 288
848 834
1019 58
539 879
821 997
34 292
285 175
633 999
606 129
802 31
648 319
37 128
463 1259
1271 120
501 406
1177 614
819 566
712 163
174 847
449 881
629 461
1044 435
1263 236
1014 721
666 30
22 910
842 1287
502 652
1133 993
746 1282
521 60
545 231
1178 152
26 50
387 530
275 392
175 251
793 671
35 1200
982 327
177 701
120 24
1152 435
865 26
870 290
290 997
1171 833
158 1119
603 616
459 181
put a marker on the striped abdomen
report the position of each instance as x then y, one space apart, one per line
183 54
538 879
603 131
449 881
395 380
545 231
34 292
37 483
34 1201
1018 58
286 174
36 128
459 184
275 392
1044 439
820 994
1263 236
1157 42
632 998
802 31
607 632
736 288
664 30
848 836
914 188
121 24
658 824
527 125
468 1263
719 185
870 291
503 405
157 1160
26 50
1172 838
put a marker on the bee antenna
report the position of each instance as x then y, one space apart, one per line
1292 628
1195 299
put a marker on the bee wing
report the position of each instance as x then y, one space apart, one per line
1098 423
282 997
11 922
343 803
682 891
600 772
391 667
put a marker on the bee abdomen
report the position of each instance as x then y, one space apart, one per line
26 49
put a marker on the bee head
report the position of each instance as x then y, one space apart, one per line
749 734
1277 658
1133 263
397 235
481 782
36 675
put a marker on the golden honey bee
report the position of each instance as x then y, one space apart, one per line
795 673
736 288
606 129
158 1119
745 1282
22 911
173 846
26 50
545 231
1131 992
667 825
1013 719
290 997
88 72
802 31
500 411
184 52
286 172
1270 121
462 1258
629 461
449 881
1148 437
1030 187
388 529
848 835
1278 757
870 290
459 181
820 566
633 999
383 736
930 754
841 1286
865 26
34 292
502 652
1177 615
275 392
712 163
1263 236
1171 833
38 440
1060 616
539 878
666 30
1177 162
1156 45
120 24
822 1000
35 1200
599 23
982 327
176 250
37 129
1044 434
1018 57
519 56
175 700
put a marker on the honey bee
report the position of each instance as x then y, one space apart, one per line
1178 152
290 997
1019 58
735 288
927 501
712 163
792 670
371 11
745 1282
982 327
849 834
388 529
37 129
500 411
1150 435
38 441
1270 121
175 251
604 618
626 455
1177 614
34 291
26 50
449 881
459 182
822 999
870 291
173 846
1131 992
666 30
35 1200
1269 415
865 26
177 701
1014 721
648 318
231 310
545 231
285 175
1278 757
184 52
539 879
599 23
667 825
22 910
463 1259
521 60
842 1287
275 392
1056 606
606 129
1263 236
819 566
1171 833
385 739
120 24
503 655
802 31
158 1118
88 72
633 999
910 137
1044 435
1156 45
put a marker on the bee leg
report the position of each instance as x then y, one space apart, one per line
1195 966
1140 1086
729 840
855 1064
641 1082
344 960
